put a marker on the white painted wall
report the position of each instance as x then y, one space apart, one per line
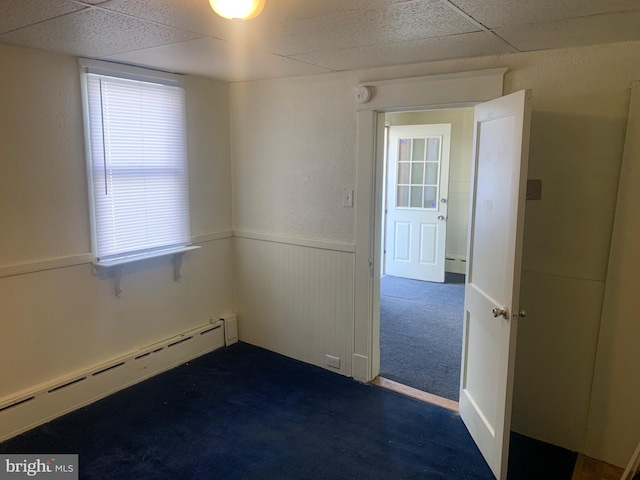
461 120
293 157
294 150
61 320
614 417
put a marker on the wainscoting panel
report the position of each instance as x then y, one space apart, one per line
296 300
33 407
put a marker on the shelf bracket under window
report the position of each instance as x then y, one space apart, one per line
117 279
177 266
116 266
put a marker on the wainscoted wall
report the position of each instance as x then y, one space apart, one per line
56 316
57 321
295 299
294 149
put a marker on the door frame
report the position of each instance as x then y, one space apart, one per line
417 93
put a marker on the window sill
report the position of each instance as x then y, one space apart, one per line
114 262
116 265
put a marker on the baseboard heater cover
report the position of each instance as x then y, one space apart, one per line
230 328
456 264
32 407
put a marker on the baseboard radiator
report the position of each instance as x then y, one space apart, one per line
32 407
455 264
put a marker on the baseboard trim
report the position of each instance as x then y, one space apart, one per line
32 407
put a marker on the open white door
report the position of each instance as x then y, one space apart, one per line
501 144
416 230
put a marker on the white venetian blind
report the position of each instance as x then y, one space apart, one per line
138 165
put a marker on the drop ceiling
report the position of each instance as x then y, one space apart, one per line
303 37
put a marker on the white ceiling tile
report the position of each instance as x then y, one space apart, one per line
94 33
456 46
395 23
192 15
289 27
300 37
499 13
293 10
217 59
20 13
197 15
614 27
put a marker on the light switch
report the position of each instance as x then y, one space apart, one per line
347 198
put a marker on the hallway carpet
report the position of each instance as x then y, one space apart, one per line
421 334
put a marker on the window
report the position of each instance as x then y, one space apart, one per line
137 162
418 177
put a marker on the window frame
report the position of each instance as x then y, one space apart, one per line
126 72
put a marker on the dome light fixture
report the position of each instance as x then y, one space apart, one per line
242 9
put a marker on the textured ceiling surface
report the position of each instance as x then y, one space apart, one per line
302 37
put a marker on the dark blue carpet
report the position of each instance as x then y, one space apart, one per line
421 334
245 413
536 460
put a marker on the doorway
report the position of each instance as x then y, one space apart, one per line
500 154
426 184
464 89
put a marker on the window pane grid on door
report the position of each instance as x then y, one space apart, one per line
418 177
418 150
404 173
417 173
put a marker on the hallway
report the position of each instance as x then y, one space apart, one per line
421 333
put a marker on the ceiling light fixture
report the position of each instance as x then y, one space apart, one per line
242 9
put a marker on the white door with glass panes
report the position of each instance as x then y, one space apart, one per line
416 203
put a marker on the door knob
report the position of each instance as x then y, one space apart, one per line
440 217
500 312
522 313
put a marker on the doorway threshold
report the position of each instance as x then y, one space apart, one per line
415 393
